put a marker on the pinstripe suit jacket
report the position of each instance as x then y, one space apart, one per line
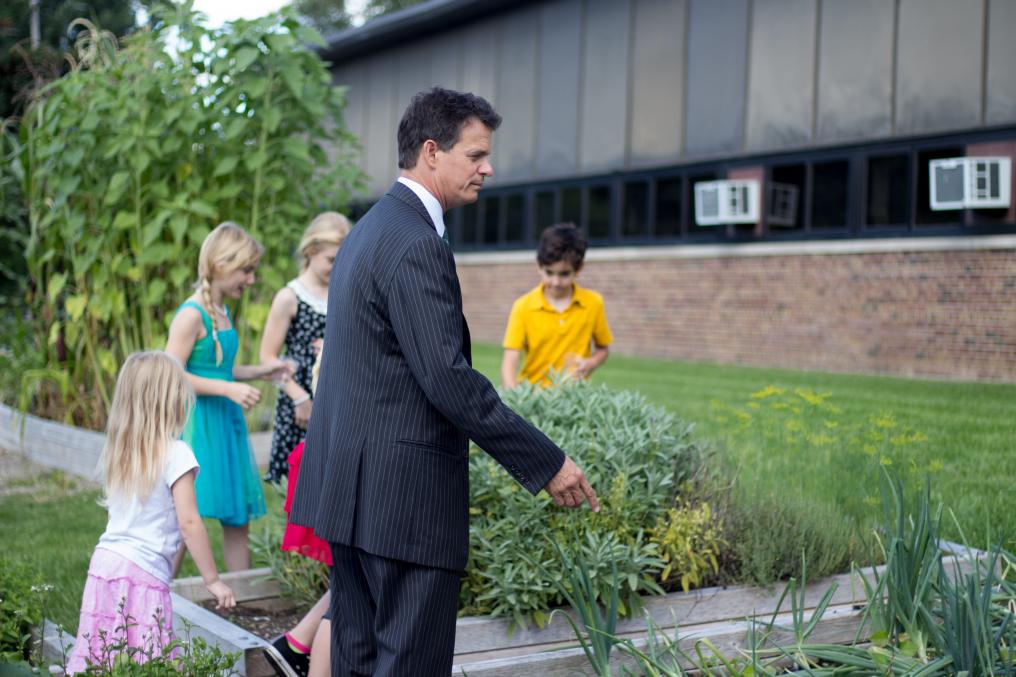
385 465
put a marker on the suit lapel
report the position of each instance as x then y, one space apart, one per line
404 194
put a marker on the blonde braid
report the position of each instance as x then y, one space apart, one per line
206 294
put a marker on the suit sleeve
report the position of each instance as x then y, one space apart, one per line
425 309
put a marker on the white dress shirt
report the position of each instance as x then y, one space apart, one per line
430 203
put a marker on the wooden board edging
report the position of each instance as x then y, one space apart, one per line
69 448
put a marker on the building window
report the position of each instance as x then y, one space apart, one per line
571 206
515 219
669 194
785 195
829 188
598 223
636 210
468 217
491 219
544 213
888 190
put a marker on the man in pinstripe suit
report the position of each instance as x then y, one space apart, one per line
385 471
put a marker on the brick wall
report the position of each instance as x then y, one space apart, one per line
937 313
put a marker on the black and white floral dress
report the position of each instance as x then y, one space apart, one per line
307 326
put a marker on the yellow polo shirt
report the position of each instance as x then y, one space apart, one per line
552 339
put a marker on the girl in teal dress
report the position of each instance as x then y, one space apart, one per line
203 338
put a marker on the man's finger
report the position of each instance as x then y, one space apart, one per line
590 493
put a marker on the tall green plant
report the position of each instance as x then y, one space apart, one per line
129 160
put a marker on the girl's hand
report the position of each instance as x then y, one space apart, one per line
244 395
224 598
279 370
302 413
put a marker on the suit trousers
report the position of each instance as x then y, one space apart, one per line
391 618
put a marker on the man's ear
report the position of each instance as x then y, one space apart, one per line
428 153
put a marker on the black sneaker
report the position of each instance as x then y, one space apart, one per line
285 661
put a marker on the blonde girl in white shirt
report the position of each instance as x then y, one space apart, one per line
149 494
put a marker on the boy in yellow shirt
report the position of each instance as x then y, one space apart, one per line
560 326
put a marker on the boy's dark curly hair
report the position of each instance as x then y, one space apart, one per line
562 242
439 114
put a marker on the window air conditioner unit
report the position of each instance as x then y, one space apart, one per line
732 201
970 182
781 205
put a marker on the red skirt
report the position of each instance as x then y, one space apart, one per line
297 538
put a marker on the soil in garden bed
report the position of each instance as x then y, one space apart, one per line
265 619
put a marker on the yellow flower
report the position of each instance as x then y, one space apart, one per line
768 391
885 421
885 460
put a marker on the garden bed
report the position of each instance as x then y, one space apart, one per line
489 647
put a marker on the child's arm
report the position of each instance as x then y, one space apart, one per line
196 538
587 366
510 367
183 334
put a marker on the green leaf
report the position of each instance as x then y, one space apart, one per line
124 220
296 147
256 87
202 208
234 127
225 165
116 188
273 116
75 306
309 36
54 333
280 42
156 292
56 285
178 226
255 160
178 276
107 361
157 253
151 232
245 56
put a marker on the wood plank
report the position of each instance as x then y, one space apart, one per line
247 585
483 633
839 626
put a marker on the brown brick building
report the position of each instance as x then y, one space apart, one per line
827 114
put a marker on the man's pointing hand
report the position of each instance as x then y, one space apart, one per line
570 489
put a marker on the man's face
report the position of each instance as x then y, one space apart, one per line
459 172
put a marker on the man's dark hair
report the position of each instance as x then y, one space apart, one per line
562 242
439 114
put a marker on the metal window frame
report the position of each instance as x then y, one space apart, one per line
857 155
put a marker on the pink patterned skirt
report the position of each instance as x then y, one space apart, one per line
123 607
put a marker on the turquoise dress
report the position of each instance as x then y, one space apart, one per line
228 485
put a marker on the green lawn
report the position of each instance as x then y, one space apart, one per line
963 435
970 430
55 528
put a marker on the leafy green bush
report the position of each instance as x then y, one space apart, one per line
767 536
690 540
127 162
300 578
638 456
189 657
21 598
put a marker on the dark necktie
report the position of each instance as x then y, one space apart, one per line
444 235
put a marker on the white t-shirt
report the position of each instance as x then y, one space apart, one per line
148 534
